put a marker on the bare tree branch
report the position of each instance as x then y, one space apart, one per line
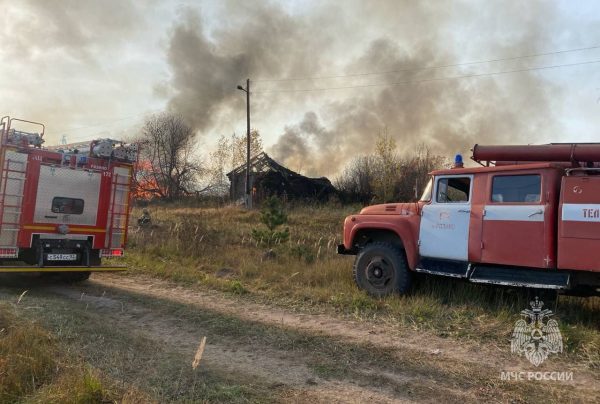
168 169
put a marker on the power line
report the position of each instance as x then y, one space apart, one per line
428 67
429 80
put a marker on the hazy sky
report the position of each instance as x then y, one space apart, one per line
96 68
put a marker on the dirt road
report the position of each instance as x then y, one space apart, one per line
145 332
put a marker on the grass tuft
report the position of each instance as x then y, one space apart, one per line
237 288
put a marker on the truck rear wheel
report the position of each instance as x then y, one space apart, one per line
95 260
72 277
381 269
68 277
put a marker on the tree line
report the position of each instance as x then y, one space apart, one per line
386 175
170 166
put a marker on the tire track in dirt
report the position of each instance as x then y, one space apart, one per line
460 359
352 330
280 367
467 353
134 304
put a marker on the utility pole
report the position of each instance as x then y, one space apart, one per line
248 196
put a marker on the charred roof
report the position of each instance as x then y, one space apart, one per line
268 177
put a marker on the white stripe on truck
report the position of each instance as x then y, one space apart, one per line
580 212
515 213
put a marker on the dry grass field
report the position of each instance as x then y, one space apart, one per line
213 247
35 368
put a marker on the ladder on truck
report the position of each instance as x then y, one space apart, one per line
12 186
118 213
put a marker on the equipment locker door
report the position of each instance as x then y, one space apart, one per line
444 229
579 223
514 222
67 196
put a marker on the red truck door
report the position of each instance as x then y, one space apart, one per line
514 230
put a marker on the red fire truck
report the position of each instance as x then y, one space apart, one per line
62 208
528 216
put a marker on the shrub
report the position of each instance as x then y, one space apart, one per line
272 215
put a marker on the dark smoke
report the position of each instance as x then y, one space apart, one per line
78 27
206 71
303 146
449 116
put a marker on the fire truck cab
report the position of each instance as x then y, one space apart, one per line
528 216
62 208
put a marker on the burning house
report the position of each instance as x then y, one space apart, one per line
267 177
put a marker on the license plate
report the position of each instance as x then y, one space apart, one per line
62 257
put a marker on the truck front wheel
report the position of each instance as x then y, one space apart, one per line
381 269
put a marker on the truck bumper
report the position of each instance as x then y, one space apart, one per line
342 250
20 269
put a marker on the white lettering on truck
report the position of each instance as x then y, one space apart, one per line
578 212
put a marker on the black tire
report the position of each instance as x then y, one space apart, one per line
66 277
95 260
73 277
381 269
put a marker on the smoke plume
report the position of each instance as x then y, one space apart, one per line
447 115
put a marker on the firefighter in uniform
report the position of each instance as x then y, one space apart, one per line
145 219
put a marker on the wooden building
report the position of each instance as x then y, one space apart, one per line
268 177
